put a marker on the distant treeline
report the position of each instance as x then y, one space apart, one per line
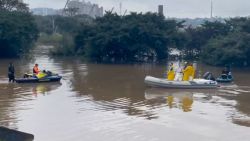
151 37
130 38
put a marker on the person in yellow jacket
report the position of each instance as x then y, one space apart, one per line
188 72
171 73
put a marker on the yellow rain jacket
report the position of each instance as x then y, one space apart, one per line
187 72
171 74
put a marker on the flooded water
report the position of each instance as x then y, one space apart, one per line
102 102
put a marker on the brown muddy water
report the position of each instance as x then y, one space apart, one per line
101 102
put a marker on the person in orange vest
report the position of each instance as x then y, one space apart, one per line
36 69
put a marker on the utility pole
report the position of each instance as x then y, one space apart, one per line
53 24
211 14
160 10
120 8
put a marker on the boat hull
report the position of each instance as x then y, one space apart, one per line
195 84
36 80
220 80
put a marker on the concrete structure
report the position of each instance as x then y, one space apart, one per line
87 8
160 10
44 11
77 6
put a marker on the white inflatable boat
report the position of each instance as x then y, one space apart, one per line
194 84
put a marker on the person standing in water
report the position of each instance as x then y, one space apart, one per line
11 73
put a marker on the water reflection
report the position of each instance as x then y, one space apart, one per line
182 99
233 98
41 88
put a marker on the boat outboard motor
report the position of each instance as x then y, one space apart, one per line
208 76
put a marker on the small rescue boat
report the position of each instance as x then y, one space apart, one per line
33 79
225 79
194 84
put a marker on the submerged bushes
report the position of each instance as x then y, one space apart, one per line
65 47
130 38
148 37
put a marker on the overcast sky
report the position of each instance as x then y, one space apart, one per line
172 8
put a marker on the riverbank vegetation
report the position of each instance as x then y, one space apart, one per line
18 30
150 37
135 37
231 47
130 38
60 31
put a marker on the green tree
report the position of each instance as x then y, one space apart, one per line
134 37
232 49
198 37
13 5
17 29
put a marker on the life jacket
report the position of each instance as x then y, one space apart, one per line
171 74
36 70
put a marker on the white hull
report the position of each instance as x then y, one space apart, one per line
195 84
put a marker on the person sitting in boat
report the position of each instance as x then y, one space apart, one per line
36 69
171 72
225 71
188 72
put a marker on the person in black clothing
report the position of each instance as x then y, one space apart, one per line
225 71
11 73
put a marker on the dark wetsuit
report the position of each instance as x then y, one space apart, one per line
11 73
225 72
